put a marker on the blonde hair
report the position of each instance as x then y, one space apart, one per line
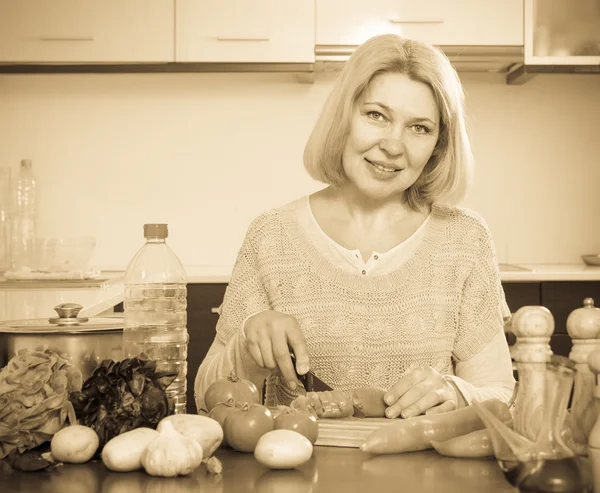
448 174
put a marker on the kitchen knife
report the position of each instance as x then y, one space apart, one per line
312 383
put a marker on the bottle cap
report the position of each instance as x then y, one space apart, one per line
156 231
26 163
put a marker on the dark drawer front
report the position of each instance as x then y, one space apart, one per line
562 297
201 324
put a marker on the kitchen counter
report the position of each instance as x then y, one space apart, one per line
31 299
329 470
38 300
508 272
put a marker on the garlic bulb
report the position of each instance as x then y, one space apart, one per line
171 454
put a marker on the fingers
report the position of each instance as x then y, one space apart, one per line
281 353
418 391
298 344
269 336
444 407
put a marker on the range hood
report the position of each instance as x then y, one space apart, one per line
495 59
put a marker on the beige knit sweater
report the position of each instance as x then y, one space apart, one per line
439 308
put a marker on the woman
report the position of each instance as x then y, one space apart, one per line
376 280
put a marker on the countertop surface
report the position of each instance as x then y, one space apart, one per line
27 300
330 470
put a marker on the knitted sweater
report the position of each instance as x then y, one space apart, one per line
439 308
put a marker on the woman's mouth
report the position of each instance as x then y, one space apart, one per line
382 168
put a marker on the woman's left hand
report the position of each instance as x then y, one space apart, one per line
420 390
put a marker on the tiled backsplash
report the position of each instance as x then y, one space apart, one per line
208 152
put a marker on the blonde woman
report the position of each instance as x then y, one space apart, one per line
379 279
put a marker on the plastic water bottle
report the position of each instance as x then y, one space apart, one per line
24 218
155 317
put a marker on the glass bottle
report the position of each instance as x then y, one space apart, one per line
549 465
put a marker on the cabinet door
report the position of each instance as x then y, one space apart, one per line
241 31
562 33
202 303
439 22
87 31
562 297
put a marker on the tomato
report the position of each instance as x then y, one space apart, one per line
301 422
245 427
241 391
220 413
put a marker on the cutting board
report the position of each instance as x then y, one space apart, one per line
348 432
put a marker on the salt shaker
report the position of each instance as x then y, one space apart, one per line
583 325
533 326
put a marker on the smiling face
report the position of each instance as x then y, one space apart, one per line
393 131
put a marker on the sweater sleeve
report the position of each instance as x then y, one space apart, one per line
245 295
483 309
487 374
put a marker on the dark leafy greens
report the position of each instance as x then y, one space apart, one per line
121 396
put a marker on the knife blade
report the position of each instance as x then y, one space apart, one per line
312 383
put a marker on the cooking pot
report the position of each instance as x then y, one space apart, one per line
84 341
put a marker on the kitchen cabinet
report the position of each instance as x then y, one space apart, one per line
440 22
273 31
87 31
562 33
560 297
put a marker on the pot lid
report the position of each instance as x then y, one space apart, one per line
67 322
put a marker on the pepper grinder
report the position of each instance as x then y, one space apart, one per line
583 325
533 326
593 443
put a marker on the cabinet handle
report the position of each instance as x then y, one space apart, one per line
60 38
214 309
234 38
395 20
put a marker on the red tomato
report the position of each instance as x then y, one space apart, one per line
220 413
241 391
244 428
301 422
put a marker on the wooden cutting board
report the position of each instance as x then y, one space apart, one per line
348 432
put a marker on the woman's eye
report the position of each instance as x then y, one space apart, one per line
421 129
375 115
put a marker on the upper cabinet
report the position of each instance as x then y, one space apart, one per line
440 22
562 33
87 31
260 31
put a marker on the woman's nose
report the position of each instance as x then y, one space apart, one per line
392 145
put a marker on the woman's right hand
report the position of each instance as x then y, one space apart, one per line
269 337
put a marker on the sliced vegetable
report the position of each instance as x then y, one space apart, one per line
244 427
232 387
369 401
327 404
206 431
75 444
417 433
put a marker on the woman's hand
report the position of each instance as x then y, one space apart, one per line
422 389
269 337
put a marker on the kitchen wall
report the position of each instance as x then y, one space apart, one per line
208 152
